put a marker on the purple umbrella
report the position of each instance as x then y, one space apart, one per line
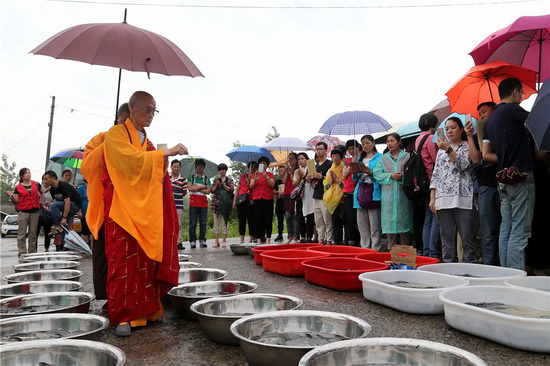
353 123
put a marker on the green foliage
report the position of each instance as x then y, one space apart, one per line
237 168
272 135
8 177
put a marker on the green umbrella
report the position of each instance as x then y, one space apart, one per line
188 167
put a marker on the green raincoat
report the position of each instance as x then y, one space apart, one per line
397 209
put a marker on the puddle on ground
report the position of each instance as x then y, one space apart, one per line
417 285
304 339
522 311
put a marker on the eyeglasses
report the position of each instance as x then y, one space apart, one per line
521 92
148 110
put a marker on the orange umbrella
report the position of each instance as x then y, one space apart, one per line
480 84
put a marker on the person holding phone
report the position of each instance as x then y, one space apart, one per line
245 210
261 184
452 193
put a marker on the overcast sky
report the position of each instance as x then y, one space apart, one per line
291 64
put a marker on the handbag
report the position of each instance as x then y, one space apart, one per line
298 192
366 191
242 198
511 176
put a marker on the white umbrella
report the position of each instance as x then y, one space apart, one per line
287 143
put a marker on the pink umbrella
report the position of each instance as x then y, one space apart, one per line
119 45
525 42
331 141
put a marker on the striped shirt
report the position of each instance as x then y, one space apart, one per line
179 188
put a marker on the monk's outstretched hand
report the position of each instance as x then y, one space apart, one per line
179 149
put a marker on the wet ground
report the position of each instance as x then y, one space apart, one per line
173 341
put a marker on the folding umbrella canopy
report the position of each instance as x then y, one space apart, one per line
353 123
70 158
539 118
331 141
525 42
119 45
441 110
287 143
188 167
247 153
480 84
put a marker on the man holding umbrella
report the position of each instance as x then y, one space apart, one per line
137 208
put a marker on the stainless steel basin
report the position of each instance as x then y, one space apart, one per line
282 338
52 326
184 257
217 314
51 302
46 275
389 351
185 295
239 249
187 275
42 258
38 287
62 352
36 266
190 265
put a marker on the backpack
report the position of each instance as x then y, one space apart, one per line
416 184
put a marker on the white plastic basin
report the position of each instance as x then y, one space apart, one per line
541 283
520 332
476 274
411 300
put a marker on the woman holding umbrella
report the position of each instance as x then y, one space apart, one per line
262 184
396 208
452 193
222 198
245 210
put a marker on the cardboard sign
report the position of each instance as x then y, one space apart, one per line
311 167
405 254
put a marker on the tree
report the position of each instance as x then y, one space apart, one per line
237 168
272 135
8 177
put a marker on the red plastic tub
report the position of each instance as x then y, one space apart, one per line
341 274
342 250
386 257
288 262
264 248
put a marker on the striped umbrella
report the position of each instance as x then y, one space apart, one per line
70 158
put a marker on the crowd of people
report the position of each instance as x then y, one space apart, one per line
483 204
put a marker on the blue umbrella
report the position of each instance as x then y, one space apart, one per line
462 117
539 118
247 153
353 123
409 130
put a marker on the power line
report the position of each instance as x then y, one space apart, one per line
19 122
23 139
298 7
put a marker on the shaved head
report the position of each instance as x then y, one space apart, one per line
142 109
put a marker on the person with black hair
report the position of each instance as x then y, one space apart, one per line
506 135
27 197
323 219
289 205
349 214
199 187
179 190
221 204
430 232
368 219
335 176
262 184
452 193
245 209
396 208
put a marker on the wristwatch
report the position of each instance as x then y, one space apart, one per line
449 149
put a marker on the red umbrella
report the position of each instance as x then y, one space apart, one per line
480 84
119 45
525 42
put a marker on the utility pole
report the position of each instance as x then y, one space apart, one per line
50 126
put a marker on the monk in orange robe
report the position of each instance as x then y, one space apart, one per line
139 218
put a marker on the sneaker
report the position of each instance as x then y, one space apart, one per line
203 244
180 246
193 245
278 238
123 330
